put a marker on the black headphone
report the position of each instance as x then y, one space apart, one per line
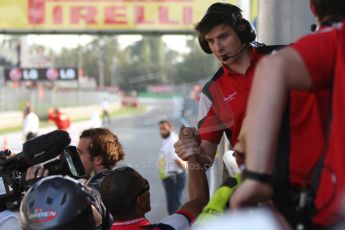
242 27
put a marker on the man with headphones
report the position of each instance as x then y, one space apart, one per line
223 32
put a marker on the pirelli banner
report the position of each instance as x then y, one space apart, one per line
101 16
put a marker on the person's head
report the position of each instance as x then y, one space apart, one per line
165 128
223 31
196 91
126 194
56 202
328 9
98 149
27 110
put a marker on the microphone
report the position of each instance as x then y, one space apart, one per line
45 147
313 27
227 56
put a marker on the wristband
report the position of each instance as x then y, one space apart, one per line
261 177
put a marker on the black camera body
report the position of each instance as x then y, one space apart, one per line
52 148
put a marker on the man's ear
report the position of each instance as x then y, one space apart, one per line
98 160
141 201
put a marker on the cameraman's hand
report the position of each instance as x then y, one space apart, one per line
96 216
35 171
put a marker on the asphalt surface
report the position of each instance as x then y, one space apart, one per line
140 137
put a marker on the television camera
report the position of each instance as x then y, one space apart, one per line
52 149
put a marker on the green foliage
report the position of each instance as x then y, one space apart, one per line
148 61
154 63
89 56
196 65
144 66
67 57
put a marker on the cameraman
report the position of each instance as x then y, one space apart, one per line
9 219
99 150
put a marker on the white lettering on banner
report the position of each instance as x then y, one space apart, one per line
30 74
67 74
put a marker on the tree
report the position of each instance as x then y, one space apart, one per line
148 61
144 64
66 57
196 65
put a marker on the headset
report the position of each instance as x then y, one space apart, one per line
242 27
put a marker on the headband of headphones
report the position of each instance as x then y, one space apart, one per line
242 27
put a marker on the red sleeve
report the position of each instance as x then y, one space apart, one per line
191 218
318 51
209 126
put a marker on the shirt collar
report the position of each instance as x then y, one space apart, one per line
254 56
142 221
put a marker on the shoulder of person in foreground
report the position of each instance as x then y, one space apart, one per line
93 192
96 180
9 220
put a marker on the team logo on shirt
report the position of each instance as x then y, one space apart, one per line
230 97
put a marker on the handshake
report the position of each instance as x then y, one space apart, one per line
189 144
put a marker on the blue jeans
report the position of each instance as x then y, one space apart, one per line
174 186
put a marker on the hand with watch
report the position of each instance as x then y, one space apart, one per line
255 188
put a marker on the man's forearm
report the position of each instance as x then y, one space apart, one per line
207 153
198 184
264 116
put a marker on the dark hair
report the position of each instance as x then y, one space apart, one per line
333 8
217 14
119 190
165 122
104 143
27 110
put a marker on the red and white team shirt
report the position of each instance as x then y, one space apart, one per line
223 102
178 221
324 56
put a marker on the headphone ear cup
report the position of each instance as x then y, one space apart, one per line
245 31
204 44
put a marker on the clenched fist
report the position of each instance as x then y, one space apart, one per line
188 143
